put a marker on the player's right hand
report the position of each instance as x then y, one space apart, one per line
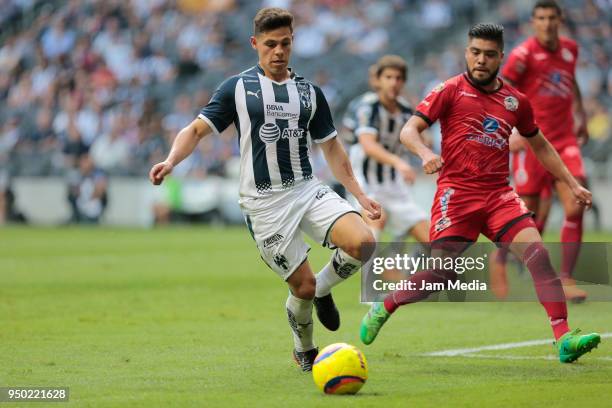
159 171
406 171
583 196
432 163
371 207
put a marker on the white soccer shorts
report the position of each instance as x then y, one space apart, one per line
277 223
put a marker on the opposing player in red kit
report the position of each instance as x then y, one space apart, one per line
477 112
543 68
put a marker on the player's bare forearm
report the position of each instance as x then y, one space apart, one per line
339 163
410 136
376 151
186 141
550 159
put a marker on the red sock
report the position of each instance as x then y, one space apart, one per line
571 237
548 287
402 297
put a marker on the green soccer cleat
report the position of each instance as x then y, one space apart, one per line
373 321
572 345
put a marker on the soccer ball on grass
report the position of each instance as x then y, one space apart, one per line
340 369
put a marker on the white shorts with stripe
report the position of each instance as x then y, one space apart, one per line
277 223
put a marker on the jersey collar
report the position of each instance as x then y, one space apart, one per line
292 74
480 89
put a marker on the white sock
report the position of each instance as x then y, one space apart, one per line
299 314
340 268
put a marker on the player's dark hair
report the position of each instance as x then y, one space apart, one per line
271 18
391 61
488 31
546 4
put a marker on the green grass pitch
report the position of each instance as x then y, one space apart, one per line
186 317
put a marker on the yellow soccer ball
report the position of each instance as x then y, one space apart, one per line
340 369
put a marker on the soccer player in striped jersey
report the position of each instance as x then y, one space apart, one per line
349 120
380 158
278 114
477 112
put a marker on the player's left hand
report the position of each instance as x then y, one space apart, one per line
371 207
583 196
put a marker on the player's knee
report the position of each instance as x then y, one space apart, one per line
362 245
305 289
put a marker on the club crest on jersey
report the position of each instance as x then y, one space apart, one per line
269 133
511 103
304 93
567 55
490 125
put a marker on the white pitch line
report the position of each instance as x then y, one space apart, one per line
505 357
504 346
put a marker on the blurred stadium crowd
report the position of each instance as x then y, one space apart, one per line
109 83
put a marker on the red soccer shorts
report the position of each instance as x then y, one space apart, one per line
531 178
462 215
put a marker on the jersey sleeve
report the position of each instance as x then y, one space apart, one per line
321 126
526 124
515 67
366 120
221 110
435 104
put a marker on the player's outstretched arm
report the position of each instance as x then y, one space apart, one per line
411 138
548 156
338 161
185 142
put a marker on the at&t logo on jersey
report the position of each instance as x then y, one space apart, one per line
292 133
269 133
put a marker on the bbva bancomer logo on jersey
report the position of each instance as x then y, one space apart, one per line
271 133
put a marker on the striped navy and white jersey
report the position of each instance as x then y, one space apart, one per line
373 118
276 122
349 120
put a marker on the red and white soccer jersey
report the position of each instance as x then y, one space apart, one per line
473 193
547 80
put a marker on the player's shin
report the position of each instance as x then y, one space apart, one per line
299 314
571 237
425 283
548 286
340 268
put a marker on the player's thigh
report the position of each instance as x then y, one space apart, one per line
353 235
523 240
529 176
329 218
420 231
504 209
457 215
278 238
